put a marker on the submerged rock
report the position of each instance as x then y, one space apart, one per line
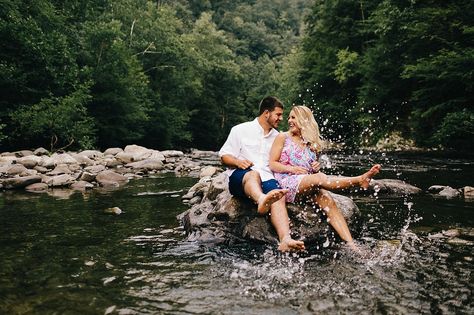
392 187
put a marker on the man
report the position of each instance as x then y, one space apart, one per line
246 151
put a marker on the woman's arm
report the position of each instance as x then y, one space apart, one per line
275 154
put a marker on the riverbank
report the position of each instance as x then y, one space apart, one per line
39 171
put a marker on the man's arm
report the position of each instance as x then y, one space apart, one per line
231 161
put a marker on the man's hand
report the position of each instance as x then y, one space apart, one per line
316 166
243 164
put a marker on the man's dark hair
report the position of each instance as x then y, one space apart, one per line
269 103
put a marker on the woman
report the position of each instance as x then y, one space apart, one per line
294 161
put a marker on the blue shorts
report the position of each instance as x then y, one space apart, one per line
237 189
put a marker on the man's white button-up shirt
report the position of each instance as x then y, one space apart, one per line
247 141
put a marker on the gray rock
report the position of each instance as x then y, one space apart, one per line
436 189
113 210
147 164
449 193
17 169
22 153
91 154
37 187
124 157
29 161
392 187
40 151
468 192
81 185
20 182
208 171
95 169
60 169
220 217
112 151
109 178
63 158
60 180
83 160
111 163
172 154
87 177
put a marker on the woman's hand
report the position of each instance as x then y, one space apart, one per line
316 167
297 170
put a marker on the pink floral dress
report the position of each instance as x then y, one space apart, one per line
293 154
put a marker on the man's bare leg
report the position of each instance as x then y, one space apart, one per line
281 223
253 188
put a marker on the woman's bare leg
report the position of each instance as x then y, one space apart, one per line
312 182
335 217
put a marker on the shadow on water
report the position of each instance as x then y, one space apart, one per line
60 254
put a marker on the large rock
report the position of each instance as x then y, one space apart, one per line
63 158
20 182
91 154
146 165
468 192
109 178
392 187
223 218
60 180
112 151
29 161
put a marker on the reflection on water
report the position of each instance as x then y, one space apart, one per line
62 254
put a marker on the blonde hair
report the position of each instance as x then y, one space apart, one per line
309 127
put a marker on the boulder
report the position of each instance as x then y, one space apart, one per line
60 180
219 217
147 165
83 160
17 169
95 169
468 192
172 154
60 169
63 158
124 157
20 182
87 177
81 185
37 187
112 151
449 193
109 178
208 171
392 187
40 151
23 153
29 161
91 154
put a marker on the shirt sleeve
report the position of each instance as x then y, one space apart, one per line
231 145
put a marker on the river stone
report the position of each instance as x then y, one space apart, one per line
113 151
434 189
60 169
110 178
7 159
392 187
113 210
172 154
124 157
81 185
208 171
60 180
112 162
63 158
40 151
450 192
82 160
91 154
87 177
20 182
148 164
468 192
95 169
29 161
37 187
17 169
23 153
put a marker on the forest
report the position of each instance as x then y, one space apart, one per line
179 74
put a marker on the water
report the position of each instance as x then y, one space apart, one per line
61 254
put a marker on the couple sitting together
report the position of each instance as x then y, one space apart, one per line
273 168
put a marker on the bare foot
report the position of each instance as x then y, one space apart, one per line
367 176
266 200
288 244
359 251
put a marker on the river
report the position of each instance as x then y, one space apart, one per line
61 254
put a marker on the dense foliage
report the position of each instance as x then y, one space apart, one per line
179 74
378 67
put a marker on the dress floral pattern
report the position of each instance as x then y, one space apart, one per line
295 155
